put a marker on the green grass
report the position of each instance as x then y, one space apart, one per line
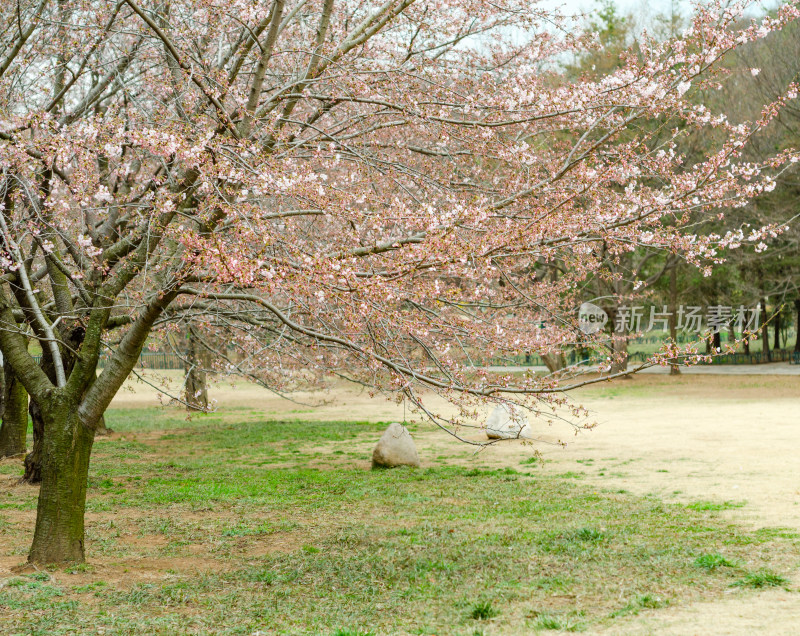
483 611
586 534
715 506
231 524
547 622
761 579
639 603
711 562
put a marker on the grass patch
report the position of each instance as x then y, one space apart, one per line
641 602
548 622
585 534
483 611
715 506
761 579
711 562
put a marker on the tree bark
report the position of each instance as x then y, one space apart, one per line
196 392
673 309
619 342
797 327
33 460
102 429
765 355
59 533
776 344
554 361
14 428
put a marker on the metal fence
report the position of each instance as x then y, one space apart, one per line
776 355
573 358
157 360
160 360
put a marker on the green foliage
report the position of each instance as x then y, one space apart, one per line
609 24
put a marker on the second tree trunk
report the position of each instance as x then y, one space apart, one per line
14 428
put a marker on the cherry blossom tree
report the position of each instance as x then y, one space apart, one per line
363 189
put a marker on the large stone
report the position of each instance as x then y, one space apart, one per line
395 448
507 422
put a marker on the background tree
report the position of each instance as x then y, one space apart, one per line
767 273
14 413
196 365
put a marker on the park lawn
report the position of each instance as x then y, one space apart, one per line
232 524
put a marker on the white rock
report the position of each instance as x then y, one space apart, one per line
508 422
395 448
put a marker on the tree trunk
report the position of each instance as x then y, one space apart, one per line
59 534
764 333
33 460
14 428
776 345
673 309
619 343
797 327
102 429
554 361
716 341
196 393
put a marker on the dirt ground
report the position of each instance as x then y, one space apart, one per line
703 438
